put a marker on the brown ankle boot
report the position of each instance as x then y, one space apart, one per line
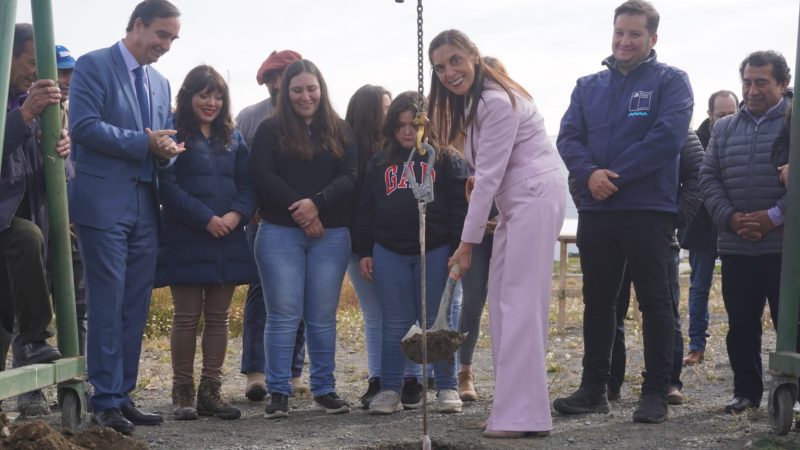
183 401
466 390
211 403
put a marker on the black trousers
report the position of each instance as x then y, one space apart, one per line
748 282
607 240
618 351
23 288
80 311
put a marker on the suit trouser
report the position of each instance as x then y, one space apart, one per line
23 287
120 269
747 283
520 275
607 240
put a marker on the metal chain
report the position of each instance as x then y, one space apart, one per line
420 59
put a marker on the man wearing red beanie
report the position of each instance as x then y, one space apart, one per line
255 314
271 74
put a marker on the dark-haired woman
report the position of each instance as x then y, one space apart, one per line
304 167
207 198
366 112
517 167
387 235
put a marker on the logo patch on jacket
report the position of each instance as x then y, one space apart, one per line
640 104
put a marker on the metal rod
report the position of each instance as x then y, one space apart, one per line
424 307
8 12
790 259
56 184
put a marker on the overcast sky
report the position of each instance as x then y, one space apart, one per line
546 45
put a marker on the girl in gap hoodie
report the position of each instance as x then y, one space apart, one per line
387 242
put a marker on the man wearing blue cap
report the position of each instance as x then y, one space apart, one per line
64 63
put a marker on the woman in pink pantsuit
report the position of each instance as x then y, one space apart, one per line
516 166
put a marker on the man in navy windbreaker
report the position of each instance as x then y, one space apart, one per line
621 139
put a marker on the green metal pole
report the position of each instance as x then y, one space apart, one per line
790 271
56 183
8 11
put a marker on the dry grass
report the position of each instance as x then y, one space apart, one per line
350 319
563 348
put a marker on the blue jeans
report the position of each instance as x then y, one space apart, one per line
302 279
255 317
373 321
397 278
702 262
373 315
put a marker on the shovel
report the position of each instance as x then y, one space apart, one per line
441 342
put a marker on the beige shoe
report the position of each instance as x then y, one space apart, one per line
674 396
298 387
256 388
466 389
694 357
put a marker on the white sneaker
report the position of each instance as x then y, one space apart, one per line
386 402
448 401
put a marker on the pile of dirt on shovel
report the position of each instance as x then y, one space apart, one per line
38 435
442 344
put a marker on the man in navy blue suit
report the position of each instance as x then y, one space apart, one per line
121 124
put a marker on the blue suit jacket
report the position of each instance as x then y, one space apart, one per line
109 143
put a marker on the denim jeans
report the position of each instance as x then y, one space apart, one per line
618 353
302 278
255 317
398 282
607 240
702 262
372 310
373 315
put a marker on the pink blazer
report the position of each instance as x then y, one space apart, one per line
504 146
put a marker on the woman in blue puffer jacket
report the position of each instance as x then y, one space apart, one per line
207 198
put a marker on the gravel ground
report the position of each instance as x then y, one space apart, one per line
698 424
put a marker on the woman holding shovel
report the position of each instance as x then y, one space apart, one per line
517 168
387 241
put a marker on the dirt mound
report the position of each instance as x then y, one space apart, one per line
442 344
38 435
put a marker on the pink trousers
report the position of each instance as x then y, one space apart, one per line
531 215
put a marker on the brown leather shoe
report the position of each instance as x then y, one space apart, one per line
694 357
466 389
